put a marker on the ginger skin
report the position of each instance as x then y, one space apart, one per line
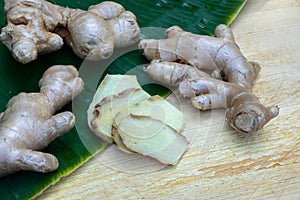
222 56
28 124
37 27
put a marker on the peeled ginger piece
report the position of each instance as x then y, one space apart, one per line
160 109
124 114
151 137
112 86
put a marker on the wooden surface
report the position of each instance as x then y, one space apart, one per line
220 163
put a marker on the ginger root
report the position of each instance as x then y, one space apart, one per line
28 124
37 26
220 55
180 61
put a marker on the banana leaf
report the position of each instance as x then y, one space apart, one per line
198 16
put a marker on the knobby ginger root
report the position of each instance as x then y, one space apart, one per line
179 59
220 55
37 26
28 124
244 111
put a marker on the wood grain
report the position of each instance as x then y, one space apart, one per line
220 163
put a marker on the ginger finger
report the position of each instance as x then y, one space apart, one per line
107 9
244 111
60 84
247 114
223 31
29 160
172 73
29 124
60 123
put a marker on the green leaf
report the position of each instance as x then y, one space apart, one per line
79 145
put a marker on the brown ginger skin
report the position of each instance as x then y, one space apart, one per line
220 54
31 28
28 124
38 26
176 65
244 111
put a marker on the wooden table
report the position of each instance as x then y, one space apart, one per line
220 163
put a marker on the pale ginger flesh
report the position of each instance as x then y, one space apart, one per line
38 26
150 137
122 113
123 89
181 66
29 122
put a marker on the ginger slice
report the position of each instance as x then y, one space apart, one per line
105 111
151 137
160 109
129 104
110 85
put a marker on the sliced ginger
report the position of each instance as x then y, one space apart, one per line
160 109
181 59
113 87
130 102
150 137
28 124
108 107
